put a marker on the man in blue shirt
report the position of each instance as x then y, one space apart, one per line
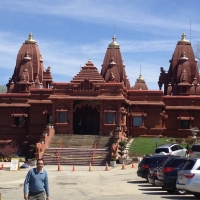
36 183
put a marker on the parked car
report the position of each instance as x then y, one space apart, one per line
149 162
189 177
195 151
171 149
152 177
167 174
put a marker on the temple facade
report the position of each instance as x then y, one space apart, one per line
96 103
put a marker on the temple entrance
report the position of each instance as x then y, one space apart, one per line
86 121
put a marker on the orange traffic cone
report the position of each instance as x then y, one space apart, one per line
2 167
90 167
73 168
107 169
59 168
133 165
123 166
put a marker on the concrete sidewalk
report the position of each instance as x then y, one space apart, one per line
79 184
82 184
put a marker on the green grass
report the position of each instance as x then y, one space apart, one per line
142 146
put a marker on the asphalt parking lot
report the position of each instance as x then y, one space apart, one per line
82 184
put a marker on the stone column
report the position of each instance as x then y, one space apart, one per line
53 113
101 118
71 111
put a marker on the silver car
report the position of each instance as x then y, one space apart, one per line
189 177
171 149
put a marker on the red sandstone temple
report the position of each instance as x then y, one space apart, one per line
98 104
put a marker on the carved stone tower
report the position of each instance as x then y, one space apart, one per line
183 75
29 70
113 65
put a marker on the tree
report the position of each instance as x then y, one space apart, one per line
3 89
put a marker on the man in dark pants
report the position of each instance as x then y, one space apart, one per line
36 183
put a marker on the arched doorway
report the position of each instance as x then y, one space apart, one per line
86 121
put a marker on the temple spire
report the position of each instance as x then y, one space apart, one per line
183 39
30 39
113 44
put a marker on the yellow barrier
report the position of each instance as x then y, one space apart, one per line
0 197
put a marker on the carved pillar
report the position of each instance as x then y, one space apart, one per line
144 115
54 114
71 110
120 118
164 116
101 118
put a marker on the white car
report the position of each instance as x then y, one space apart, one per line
189 177
171 149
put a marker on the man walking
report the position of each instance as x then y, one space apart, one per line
36 183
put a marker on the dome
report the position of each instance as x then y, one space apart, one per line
183 68
140 84
113 63
29 55
29 64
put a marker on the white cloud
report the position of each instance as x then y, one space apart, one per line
134 15
161 24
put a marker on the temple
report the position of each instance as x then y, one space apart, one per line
98 103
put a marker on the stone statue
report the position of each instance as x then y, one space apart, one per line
38 147
114 149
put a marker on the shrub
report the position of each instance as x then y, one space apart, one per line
122 147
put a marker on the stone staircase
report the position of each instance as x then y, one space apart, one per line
78 150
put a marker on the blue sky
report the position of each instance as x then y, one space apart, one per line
69 32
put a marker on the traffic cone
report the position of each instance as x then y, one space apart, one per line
123 166
59 168
133 165
2 167
73 168
107 169
90 167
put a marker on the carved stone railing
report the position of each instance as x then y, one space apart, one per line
41 147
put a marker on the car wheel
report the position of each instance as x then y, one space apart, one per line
197 195
170 191
182 192
179 191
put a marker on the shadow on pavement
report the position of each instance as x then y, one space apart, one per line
165 195
149 186
178 197
151 189
136 182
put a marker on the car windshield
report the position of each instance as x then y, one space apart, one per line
153 160
166 162
159 150
177 162
188 165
